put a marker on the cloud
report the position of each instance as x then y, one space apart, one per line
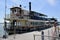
51 2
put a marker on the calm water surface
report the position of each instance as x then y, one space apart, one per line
1 30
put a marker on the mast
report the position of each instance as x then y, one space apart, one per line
4 36
5 8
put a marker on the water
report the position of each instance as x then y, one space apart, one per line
1 30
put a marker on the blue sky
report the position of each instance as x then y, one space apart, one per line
48 7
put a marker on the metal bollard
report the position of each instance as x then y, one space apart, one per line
42 35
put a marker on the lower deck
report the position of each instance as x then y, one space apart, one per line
26 29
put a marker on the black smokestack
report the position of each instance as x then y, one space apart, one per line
29 6
20 5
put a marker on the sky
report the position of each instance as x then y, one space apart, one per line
48 7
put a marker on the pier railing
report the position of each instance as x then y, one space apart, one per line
45 37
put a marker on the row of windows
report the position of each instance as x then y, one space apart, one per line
37 23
